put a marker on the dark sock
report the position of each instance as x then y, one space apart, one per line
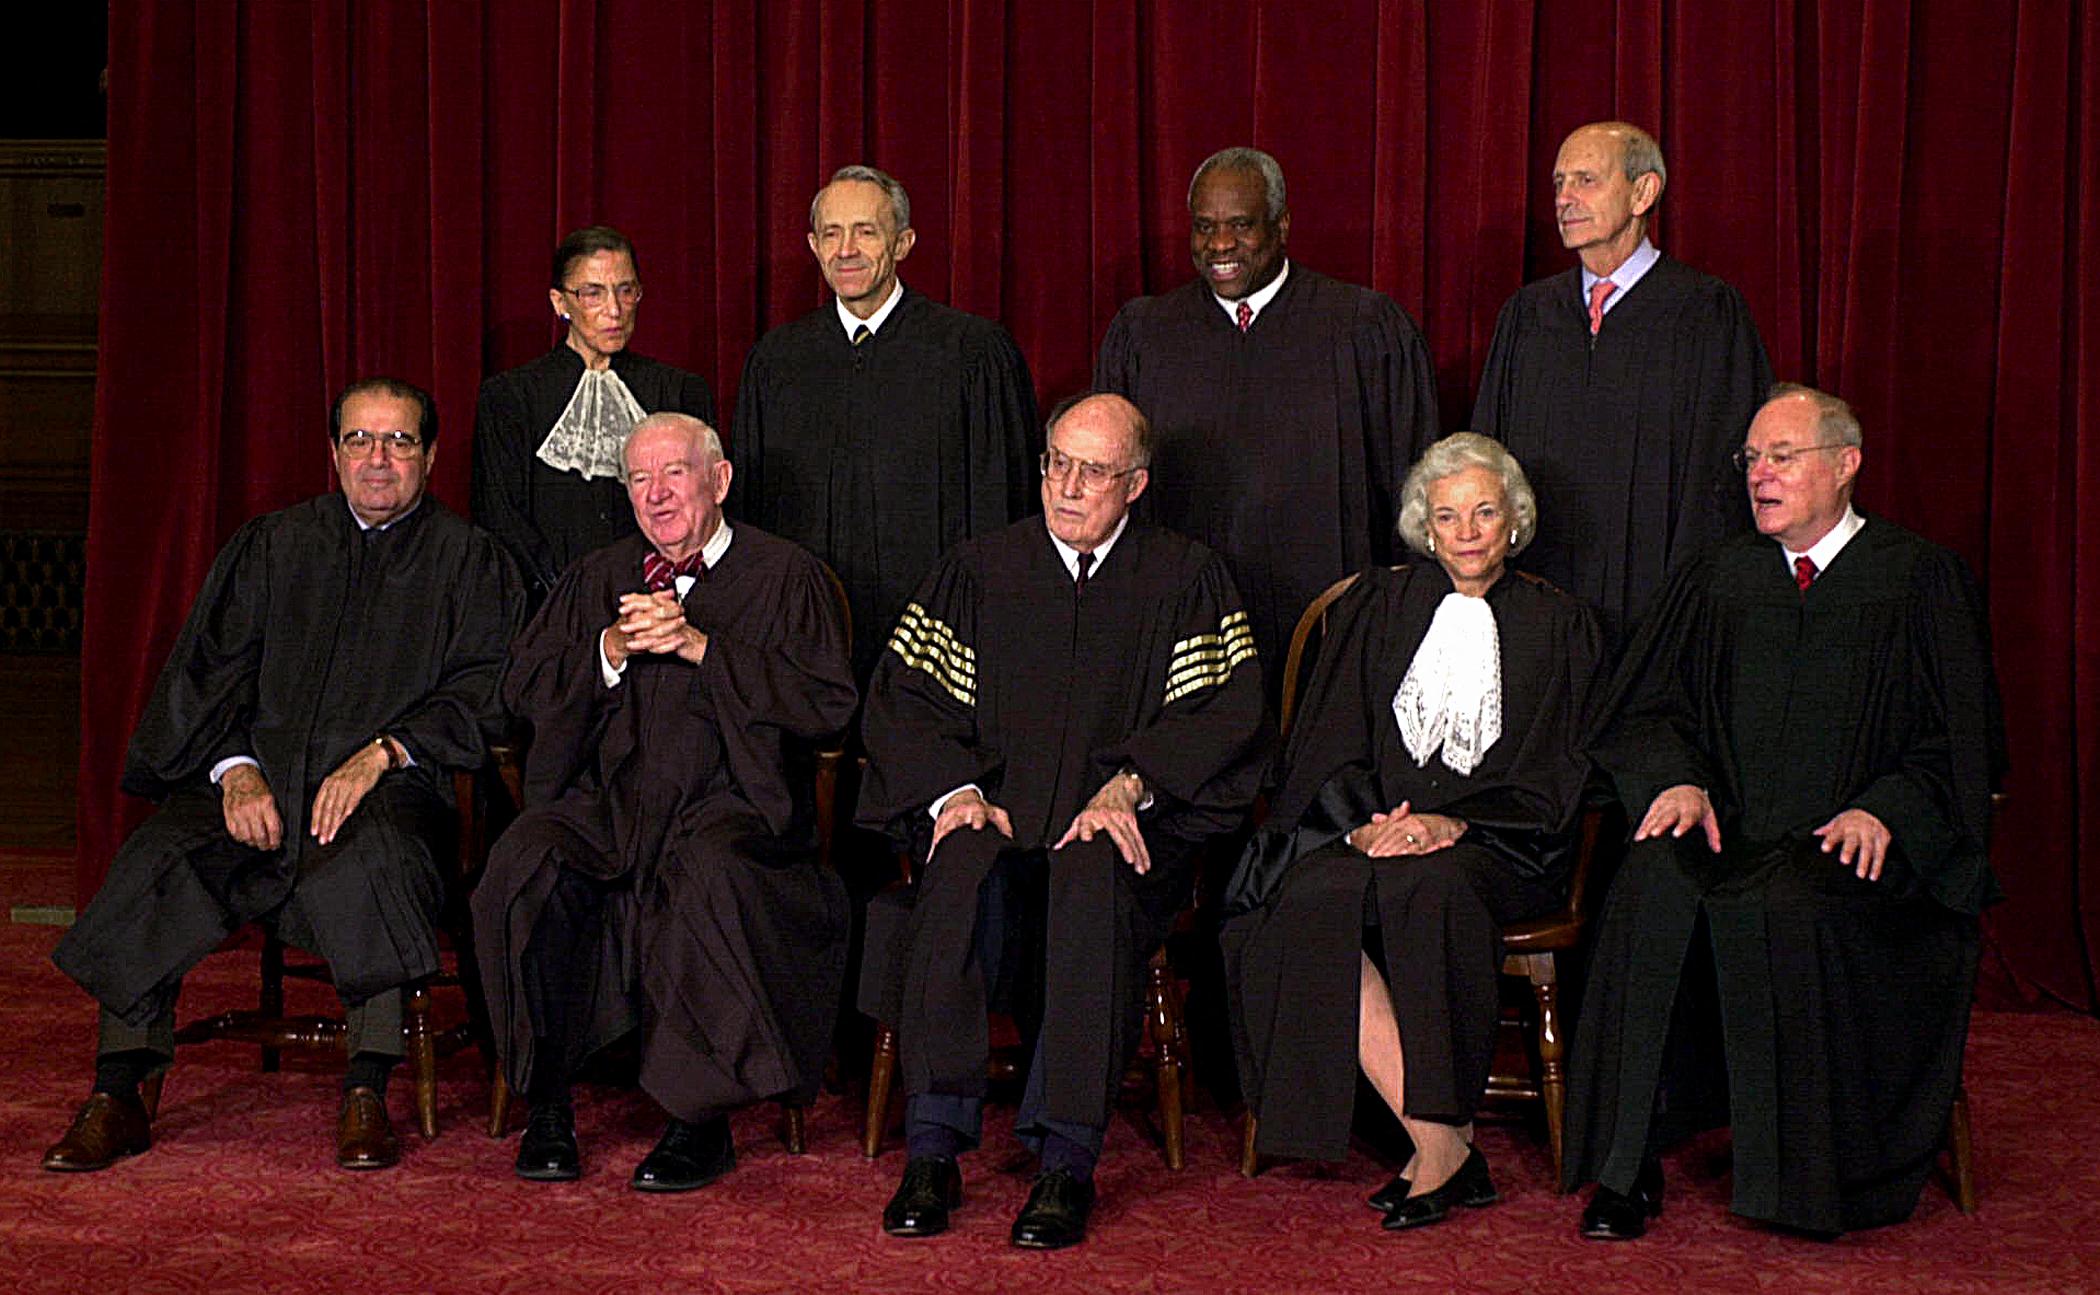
120 1073
369 1070
549 1092
1072 1157
937 1140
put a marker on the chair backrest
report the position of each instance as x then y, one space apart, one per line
1299 658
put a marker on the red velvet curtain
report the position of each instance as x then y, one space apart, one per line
1905 192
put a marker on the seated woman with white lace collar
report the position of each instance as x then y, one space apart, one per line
1429 793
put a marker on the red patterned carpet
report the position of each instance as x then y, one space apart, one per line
238 1194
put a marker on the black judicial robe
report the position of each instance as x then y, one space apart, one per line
879 458
694 784
309 638
1295 908
1002 674
1282 448
1844 1004
546 517
1626 436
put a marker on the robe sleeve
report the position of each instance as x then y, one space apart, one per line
1652 710
452 726
690 394
1490 406
1729 378
1399 412
204 702
791 675
1201 753
552 682
748 496
1115 366
999 427
503 446
1329 786
1937 804
920 724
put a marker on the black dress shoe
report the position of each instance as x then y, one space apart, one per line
1056 1212
106 1129
1469 1187
1385 1198
686 1157
364 1137
1623 1216
547 1153
932 1186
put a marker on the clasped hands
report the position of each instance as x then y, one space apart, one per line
1112 810
1402 832
652 623
250 808
1860 839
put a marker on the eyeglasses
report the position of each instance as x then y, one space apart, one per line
593 296
358 442
1747 459
1093 477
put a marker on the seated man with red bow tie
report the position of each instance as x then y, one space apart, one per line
663 877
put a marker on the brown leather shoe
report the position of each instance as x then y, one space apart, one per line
364 1139
106 1130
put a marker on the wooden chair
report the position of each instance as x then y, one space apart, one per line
1531 950
1958 1174
794 1132
269 1027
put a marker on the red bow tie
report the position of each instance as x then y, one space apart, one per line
659 572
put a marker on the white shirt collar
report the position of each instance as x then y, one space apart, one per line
1629 273
1256 301
852 322
364 525
1070 556
1824 551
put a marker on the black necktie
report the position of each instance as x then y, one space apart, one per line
862 334
1086 564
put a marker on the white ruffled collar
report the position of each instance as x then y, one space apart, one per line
1450 703
591 433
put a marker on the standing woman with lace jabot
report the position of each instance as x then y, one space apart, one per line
1429 794
548 435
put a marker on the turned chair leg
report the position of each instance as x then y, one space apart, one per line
149 1094
881 1073
499 1102
1961 1153
422 1057
1168 1036
1250 1159
1553 1046
793 1132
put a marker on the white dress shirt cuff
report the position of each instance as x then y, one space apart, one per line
606 669
935 808
226 766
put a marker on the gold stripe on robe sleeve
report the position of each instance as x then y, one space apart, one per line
925 643
1208 660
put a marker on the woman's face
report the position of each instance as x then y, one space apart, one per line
599 296
1469 525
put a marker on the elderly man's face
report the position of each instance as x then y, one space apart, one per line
677 489
1797 504
1096 432
858 245
1236 247
599 297
1470 523
1593 201
383 476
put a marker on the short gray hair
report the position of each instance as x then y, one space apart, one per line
1643 156
1836 424
900 201
1244 159
703 435
1140 426
1451 456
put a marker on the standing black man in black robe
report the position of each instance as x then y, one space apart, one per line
340 661
1623 384
664 875
1287 405
1068 710
1808 739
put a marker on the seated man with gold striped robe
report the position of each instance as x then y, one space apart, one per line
1069 708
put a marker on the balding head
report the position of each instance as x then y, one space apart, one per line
1606 179
1094 467
676 480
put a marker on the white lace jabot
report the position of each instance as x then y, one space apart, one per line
591 432
1452 695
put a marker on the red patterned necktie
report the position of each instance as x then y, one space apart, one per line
1245 314
660 573
1804 572
1600 292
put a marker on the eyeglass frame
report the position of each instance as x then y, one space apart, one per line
398 445
627 294
1746 459
1108 476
